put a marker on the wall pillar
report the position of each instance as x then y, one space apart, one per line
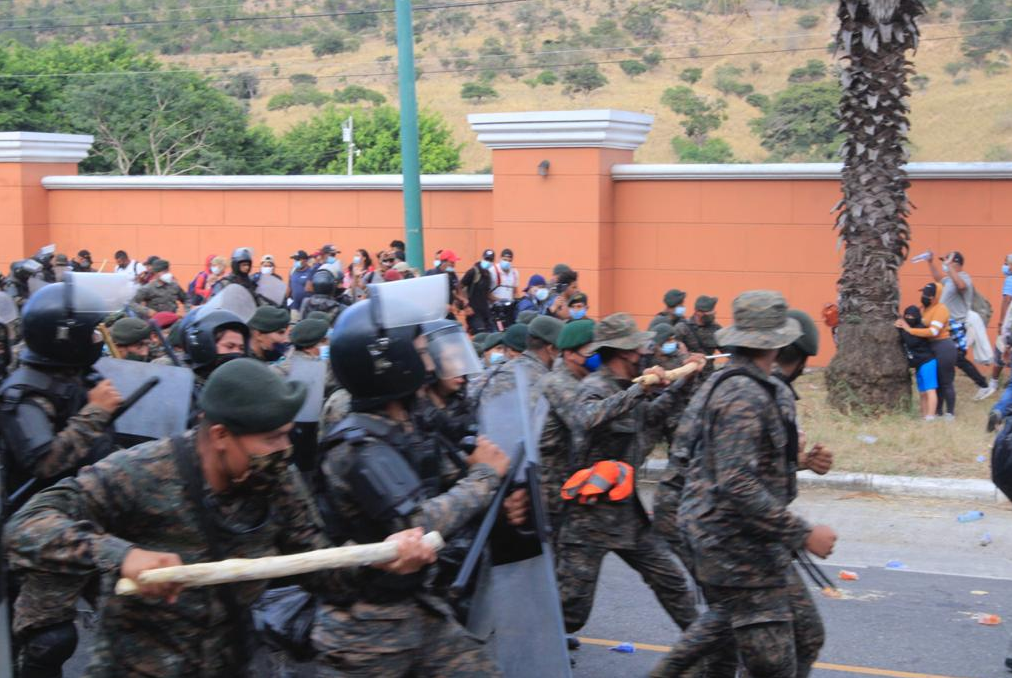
25 158
552 190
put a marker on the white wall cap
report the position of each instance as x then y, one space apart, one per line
604 128
43 147
305 182
803 171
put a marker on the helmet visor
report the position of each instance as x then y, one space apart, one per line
453 354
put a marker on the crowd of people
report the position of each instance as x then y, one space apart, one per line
385 455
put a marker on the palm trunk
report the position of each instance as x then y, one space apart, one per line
869 372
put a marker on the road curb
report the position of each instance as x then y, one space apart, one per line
938 488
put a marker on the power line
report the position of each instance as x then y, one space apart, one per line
242 19
126 12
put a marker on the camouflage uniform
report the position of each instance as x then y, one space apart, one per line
502 379
699 339
161 296
323 303
335 409
396 625
137 497
284 368
558 435
619 422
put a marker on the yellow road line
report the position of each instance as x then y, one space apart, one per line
842 668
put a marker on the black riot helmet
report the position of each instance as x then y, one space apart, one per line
377 366
324 283
57 335
45 255
240 255
200 336
25 268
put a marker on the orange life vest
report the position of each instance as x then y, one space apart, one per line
607 480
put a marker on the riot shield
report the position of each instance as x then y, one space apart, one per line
235 298
36 283
304 435
522 579
8 309
163 412
409 302
99 292
272 289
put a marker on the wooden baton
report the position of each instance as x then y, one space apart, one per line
248 569
671 375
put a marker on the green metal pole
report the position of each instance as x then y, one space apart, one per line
409 137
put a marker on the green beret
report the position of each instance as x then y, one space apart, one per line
159 266
662 332
175 337
673 298
246 396
546 328
309 332
127 331
269 319
491 341
516 337
318 315
808 342
560 268
575 334
706 304
578 298
658 320
525 317
479 339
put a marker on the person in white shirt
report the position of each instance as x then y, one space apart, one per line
127 266
507 278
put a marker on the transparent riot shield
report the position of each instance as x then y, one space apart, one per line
312 373
99 292
409 302
519 600
272 289
8 309
36 283
235 298
163 412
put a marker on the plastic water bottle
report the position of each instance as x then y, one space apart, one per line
627 648
923 256
970 516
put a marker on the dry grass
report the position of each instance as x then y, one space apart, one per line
905 445
949 121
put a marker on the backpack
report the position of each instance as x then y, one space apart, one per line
982 307
192 297
1001 460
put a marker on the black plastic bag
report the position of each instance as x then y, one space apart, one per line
1001 460
284 619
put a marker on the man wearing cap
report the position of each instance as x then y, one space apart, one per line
617 419
268 333
309 339
147 275
132 338
300 275
446 262
512 342
577 305
477 284
162 293
669 354
233 469
698 333
674 307
492 351
536 360
737 456
60 266
82 262
535 296
565 287
507 278
329 260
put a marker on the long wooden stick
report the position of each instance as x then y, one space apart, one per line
107 338
671 375
248 569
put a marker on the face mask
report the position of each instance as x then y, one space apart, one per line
276 351
165 277
577 313
356 260
331 260
486 265
496 358
267 270
505 265
669 347
325 352
680 311
299 264
450 269
216 270
541 294
1006 269
265 472
436 263
926 301
226 357
945 268
593 363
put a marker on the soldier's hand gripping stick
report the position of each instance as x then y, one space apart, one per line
670 375
248 569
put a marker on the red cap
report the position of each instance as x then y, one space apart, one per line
165 319
392 275
448 255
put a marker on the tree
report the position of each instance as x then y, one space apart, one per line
243 85
810 72
333 43
632 67
728 85
991 30
757 100
352 94
869 372
701 116
808 21
801 124
643 21
713 150
691 75
475 92
316 146
583 79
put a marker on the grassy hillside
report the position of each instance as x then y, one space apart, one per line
964 116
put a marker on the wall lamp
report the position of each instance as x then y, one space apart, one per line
543 168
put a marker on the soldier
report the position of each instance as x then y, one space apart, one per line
269 333
538 355
443 405
223 490
45 257
620 433
670 354
52 425
325 297
17 284
309 338
242 263
492 350
163 293
698 333
737 457
132 337
379 474
209 341
674 307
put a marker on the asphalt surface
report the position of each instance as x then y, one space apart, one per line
918 622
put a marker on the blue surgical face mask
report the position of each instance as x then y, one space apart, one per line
436 263
541 294
450 269
496 358
577 313
325 352
680 311
593 363
331 260
945 268
669 347
486 264
505 265
1006 269
356 260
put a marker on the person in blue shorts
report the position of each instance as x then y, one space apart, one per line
922 359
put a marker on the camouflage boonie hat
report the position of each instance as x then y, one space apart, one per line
619 331
760 321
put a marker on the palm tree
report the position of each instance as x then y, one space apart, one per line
869 372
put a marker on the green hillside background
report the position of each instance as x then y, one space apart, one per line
960 106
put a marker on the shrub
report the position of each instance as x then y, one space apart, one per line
632 68
808 21
476 92
691 75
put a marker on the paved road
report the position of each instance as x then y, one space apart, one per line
914 623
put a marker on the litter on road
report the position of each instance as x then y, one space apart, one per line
970 516
895 565
627 648
847 575
988 619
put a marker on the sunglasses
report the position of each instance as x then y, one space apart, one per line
388 261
